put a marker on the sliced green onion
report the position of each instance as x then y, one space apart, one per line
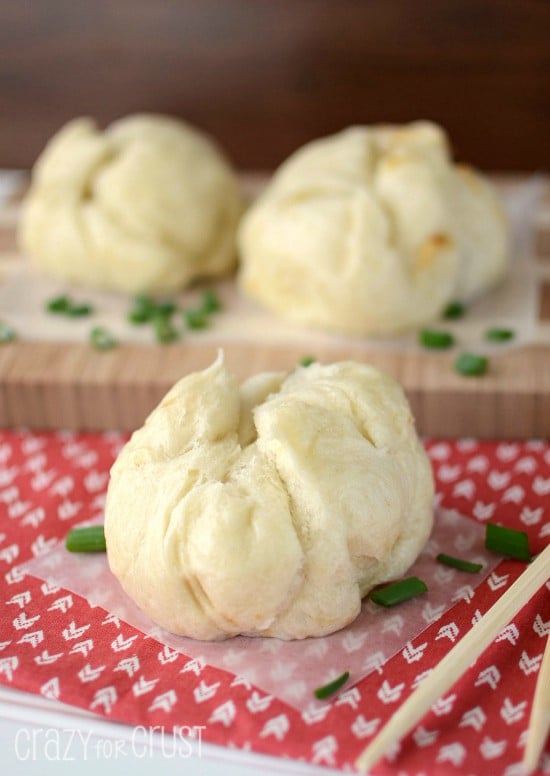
307 361
507 541
470 365
91 538
454 310
195 319
102 339
79 310
458 563
165 308
143 309
7 333
210 302
59 304
164 329
499 335
398 592
440 340
331 687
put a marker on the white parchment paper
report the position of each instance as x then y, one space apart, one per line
291 670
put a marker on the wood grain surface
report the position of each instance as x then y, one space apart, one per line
53 384
265 77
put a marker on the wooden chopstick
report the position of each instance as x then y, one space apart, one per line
458 660
539 721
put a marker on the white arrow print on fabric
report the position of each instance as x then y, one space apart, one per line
452 753
492 749
34 517
317 649
545 530
527 465
531 516
509 633
4 644
21 599
242 681
511 713
464 542
34 638
48 589
22 622
72 632
506 452
168 655
143 686
84 647
46 659
444 574
514 494
419 678
483 511
95 481
9 554
8 665
164 702
444 705
68 509
473 718
374 662
42 545
464 488
393 624
258 703
315 713
490 676
120 643
51 689
225 714
205 691
15 575
353 641
195 666
128 664
324 750
63 604
105 697
350 698
528 664
389 694
362 727
18 509
431 613
89 674
276 726
423 737
541 627
449 631
63 486
414 654
479 463
498 480
495 582
112 619
42 480
448 473
8 495
439 452
296 690
541 486
465 593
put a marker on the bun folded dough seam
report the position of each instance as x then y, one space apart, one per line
372 231
148 205
270 508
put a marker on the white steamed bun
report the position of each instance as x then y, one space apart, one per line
148 205
372 231
272 508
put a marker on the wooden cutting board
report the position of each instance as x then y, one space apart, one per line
55 384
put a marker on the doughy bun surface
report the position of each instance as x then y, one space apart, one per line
269 508
372 231
147 205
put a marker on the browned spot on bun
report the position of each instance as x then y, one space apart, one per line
431 248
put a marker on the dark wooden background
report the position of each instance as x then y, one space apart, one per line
264 76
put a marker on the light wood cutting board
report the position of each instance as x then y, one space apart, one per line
55 384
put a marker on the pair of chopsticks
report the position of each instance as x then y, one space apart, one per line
461 657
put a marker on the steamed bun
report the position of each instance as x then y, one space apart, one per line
148 205
372 231
272 508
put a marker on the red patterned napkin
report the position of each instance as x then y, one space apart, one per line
54 643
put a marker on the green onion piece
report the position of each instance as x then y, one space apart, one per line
454 310
165 308
143 309
195 319
507 541
139 316
164 329
307 361
440 340
210 302
331 687
102 339
398 592
7 333
470 365
499 335
458 563
79 310
59 304
91 538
